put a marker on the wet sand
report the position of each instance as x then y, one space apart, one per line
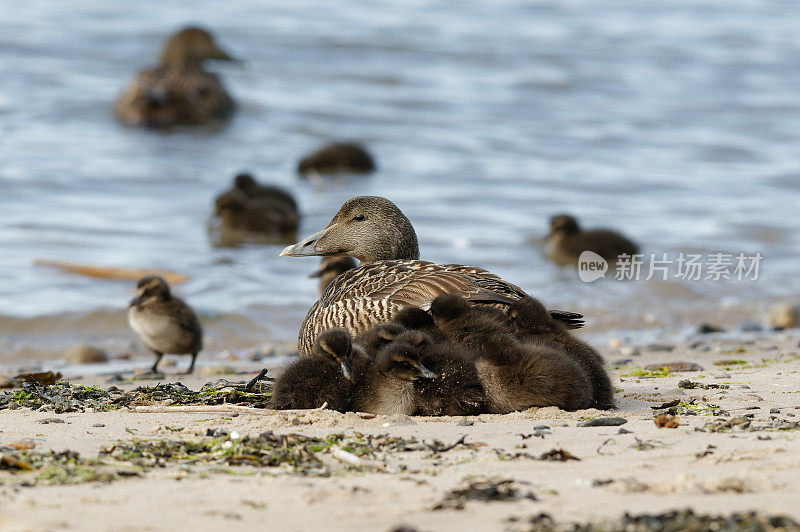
736 449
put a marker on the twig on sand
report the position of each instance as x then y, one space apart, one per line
261 375
223 409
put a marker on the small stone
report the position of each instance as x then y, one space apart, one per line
98 425
465 422
541 427
621 362
744 387
751 326
22 444
675 367
84 354
774 410
661 347
49 420
629 351
603 422
784 316
707 328
624 431
614 343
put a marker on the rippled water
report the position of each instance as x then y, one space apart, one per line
676 121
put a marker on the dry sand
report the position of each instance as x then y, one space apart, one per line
649 469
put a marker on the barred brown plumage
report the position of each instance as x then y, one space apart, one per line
391 276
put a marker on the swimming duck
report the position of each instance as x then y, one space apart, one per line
515 375
533 323
456 390
165 323
387 386
391 277
327 376
337 158
247 185
179 91
271 218
567 240
330 268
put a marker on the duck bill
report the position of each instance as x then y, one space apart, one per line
133 302
425 373
346 370
308 246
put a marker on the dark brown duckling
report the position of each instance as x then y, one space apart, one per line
337 158
327 376
467 325
457 389
252 189
330 268
179 91
567 241
416 319
517 376
165 323
379 337
263 216
387 387
532 322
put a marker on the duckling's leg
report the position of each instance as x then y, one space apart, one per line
159 355
191 365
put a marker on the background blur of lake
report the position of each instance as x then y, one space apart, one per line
677 122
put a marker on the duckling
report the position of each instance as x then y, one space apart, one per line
179 91
163 322
330 268
416 319
532 322
252 189
379 337
456 390
517 376
388 384
337 158
467 325
567 241
237 212
327 376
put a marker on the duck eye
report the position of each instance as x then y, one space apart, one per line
359 218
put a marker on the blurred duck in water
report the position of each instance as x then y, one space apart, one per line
337 158
178 91
567 240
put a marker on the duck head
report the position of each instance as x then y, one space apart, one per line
192 46
564 223
335 346
150 289
368 228
401 361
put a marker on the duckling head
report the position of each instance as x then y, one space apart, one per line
529 315
368 228
416 339
192 46
564 223
401 361
335 346
380 336
245 182
449 307
150 289
414 318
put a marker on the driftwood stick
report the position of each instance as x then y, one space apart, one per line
218 409
105 272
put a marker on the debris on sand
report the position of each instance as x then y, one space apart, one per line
484 491
667 421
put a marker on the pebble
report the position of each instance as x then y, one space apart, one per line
603 422
675 367
629 351
774 410
97 425
751 326
784 316
622 362
744 387
541 427
49 420
614 343
624 431
84 354
707 328
661 347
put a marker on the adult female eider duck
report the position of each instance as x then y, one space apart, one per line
179 91
391 277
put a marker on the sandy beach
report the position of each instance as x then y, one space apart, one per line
735 449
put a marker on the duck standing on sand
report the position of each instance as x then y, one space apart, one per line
567 240
178 91
166 324
337 158
391 277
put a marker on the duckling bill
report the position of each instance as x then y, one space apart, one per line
165 323
178 91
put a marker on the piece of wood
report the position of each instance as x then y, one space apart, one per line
107 272
219 409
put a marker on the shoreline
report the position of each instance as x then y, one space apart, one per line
703 464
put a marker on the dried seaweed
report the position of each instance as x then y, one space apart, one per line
484 491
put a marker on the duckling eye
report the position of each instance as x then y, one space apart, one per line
359 218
